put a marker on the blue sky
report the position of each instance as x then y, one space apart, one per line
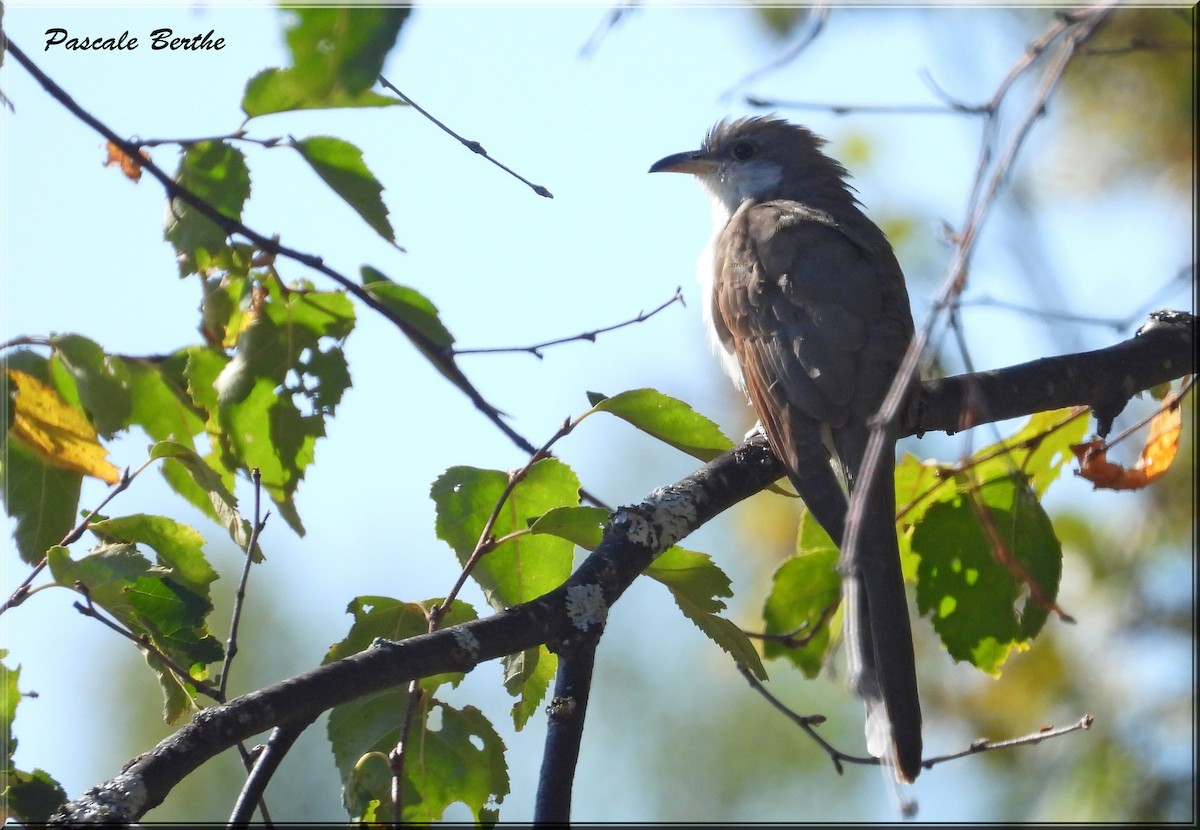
82 251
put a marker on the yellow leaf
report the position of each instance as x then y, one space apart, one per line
1163 441
56 432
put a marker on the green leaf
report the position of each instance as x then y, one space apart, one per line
179 547
217 173
30 797
281 90
103 382
526 566
340 165
1040 457
982 607
342 48
583 526
160 403
267 406
267 432
25 797
390 619
107 572
522 568
527 676
121 581
337 55
370 777
42 500
201 369
1040 450
10 696
693 575
198 481
804 591
668 419
453 755
176 618
412 308
695 583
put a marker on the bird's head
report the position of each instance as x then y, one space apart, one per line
759 158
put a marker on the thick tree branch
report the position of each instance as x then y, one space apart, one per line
564 733
573 614
1163 349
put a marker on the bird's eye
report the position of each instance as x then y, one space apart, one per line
743 150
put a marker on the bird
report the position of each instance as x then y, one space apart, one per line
806 305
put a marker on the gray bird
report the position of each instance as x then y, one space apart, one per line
806 305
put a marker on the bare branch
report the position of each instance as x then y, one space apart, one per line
866 109
263 763
589 336
612 17
817 17
565 719
473 146
239 596
986 745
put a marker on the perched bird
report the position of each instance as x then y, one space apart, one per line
806 304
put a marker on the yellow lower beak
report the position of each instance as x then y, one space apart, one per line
693 161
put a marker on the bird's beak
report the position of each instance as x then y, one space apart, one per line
693 161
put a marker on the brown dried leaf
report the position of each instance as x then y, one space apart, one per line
1162 444
130 167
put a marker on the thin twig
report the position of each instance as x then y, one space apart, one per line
946 475
986 745
473 146
239 596
611 18
806 723
589 336
817 17
866 109
1047 314
1137 45
142 641
398 757
73 535
239 135
789 639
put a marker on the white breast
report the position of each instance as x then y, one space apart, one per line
705 274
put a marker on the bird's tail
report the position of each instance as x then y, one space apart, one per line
878 634
879 638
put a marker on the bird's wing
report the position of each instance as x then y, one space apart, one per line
818 317
797 296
